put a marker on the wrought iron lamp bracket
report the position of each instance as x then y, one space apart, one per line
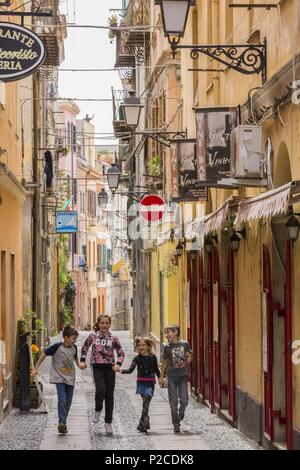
247 59
163 137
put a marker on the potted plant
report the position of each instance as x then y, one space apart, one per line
154 166
112 23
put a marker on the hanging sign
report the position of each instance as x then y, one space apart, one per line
184 175
21 52
214 127
66 222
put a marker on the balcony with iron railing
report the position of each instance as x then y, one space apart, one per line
133 43
53 32
119 124
137 39
124 58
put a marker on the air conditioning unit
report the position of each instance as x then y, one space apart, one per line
247 152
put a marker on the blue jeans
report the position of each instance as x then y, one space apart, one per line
64 395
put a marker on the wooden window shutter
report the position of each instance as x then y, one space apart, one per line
104 257
161 121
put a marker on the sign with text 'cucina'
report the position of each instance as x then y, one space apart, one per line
21 52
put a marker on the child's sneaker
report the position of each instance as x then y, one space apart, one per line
96 417
108 428
177 427
62 428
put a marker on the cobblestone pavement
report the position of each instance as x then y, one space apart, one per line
200 429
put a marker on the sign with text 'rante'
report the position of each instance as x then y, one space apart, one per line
21 52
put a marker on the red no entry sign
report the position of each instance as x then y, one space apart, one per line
152 208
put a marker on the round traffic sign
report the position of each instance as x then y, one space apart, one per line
152 208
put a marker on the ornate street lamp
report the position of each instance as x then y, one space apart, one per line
293 227
210 242
109 219
113 177
174 16
247 59
235 239
131 109
235 242
209 245
102 199
179 249
193 255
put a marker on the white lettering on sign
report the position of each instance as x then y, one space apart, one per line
5 65
17 36
296 353
21 52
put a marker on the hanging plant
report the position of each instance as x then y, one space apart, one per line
62 151
154 166
168 266
28 319
112 23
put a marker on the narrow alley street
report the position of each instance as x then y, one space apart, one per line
201 430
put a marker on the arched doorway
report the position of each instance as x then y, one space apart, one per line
278 387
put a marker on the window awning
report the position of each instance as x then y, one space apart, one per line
163 237
268 204
118 266
221 216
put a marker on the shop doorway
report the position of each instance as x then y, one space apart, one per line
277 323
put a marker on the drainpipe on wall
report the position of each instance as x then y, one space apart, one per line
35 198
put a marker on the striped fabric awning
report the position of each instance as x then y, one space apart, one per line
221 216
268 204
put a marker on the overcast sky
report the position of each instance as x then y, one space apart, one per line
90 48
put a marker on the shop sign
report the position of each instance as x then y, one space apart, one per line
21 52
184 179
66 222
214 127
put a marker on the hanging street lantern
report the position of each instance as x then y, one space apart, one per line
235 242
174 16
102 199
179 249
209 245
113 175
109 219
131 109
193 255
293 227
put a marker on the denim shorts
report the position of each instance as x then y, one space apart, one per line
142 389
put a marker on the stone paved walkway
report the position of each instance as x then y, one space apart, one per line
200 429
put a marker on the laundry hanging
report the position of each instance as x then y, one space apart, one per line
48 170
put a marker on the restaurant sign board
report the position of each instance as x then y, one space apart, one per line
184 180
214 127
21 52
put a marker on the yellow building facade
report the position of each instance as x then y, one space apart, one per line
12 197
264 286
235 295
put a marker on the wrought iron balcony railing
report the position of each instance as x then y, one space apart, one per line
119 124
53 32
124 58
132 44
